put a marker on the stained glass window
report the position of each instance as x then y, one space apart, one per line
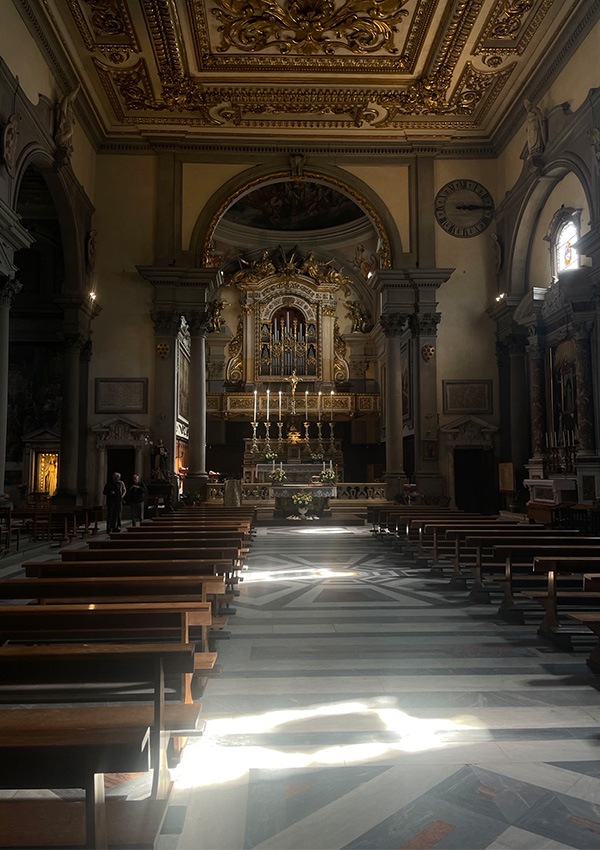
566 255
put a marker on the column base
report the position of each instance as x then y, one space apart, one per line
196 483
394 482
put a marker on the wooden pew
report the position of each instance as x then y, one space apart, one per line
95 589
426 528
485 563
74 747
559 572
518 565
119 622
126 567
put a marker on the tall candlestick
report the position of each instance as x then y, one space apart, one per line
268 402
331 405
306 405
255 397
319 405
280 405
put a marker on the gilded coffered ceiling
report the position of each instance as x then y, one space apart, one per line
389 69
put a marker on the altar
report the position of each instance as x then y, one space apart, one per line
297 473
321 494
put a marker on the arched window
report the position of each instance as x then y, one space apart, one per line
563 234
565 254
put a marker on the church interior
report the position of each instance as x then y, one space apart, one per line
313 270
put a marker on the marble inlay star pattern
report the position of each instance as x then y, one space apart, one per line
363 704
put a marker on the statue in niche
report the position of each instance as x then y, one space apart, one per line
216 321
65 122
160 462
358 316
536 130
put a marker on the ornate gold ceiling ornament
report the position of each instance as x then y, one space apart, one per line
165 32
384 250
309 26
208 57
132 84
508 23
500 35
98 20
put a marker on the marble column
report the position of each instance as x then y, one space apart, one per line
584 401
519 409
394 326
9 287
166 329
424 328
69 432
196 478
537 395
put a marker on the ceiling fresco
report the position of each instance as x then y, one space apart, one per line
294 206
400 69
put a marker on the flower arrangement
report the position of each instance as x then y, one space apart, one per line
302 499
316 457
328 476
271 456
277 475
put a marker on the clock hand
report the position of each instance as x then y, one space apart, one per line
473 207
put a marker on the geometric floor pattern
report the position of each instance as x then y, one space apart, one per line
363 704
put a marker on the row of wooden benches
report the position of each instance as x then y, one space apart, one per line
530 565
126 621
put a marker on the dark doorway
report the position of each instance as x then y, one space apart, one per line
123 461
474 480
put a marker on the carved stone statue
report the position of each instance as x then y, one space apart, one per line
358 315
65 121
214 311
536 130
595 139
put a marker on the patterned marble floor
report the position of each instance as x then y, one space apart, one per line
363 704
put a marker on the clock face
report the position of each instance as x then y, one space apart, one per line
464 208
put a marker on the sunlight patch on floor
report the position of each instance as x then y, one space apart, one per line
211 760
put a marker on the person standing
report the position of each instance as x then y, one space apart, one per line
115 492
136 496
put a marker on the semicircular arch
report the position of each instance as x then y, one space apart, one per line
531 210
343 182
37 157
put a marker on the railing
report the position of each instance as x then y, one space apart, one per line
262 492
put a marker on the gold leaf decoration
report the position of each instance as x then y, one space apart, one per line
309 26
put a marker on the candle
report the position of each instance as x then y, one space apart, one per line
268 402
319 406
331 405
255 396
306 405
273 463
323 466
280 405
330 466
281 465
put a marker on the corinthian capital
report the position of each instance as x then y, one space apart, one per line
166 322
9 287
425 324
199 322
394 324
